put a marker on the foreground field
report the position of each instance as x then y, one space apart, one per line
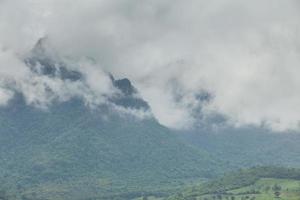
264 189
259 183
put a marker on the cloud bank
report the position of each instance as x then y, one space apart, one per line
245 54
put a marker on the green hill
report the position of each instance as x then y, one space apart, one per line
72 152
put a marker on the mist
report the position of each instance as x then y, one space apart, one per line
244 54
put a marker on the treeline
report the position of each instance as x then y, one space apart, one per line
235 180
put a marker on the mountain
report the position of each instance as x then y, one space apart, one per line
73 151
43 61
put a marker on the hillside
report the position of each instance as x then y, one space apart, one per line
72 151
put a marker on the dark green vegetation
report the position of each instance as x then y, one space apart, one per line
261 183
72 152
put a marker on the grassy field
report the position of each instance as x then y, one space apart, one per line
258 183
264 189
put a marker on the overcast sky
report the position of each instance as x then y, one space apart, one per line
246 54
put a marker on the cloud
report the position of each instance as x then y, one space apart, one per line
246 54
42 90
5 95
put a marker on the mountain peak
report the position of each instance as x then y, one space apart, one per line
125 86
44 62
129 97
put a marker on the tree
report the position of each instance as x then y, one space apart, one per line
276 188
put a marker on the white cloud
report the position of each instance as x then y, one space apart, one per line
245 53
5 95
41 90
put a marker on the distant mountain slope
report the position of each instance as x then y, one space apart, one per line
246 147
